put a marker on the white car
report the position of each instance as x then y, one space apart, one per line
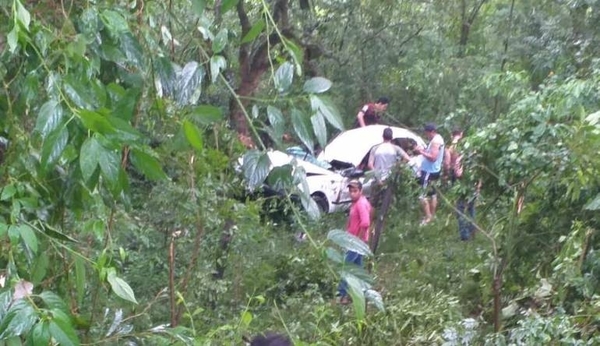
346 155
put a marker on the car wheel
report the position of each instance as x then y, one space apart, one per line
321 201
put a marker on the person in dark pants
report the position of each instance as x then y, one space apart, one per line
359 222
431 168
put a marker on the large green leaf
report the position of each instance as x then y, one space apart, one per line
253 33
303 128
49 118
53 301
62 331
220 41
89 156
217 63
356 289
53 146
23 15
114 22
349 242
40 334
28 235
280 178
207 114
256 167
193 135
166 81
19 319
318 124
147 164
130 46
328 109
227 5
334 255
125 106
189 82
120 287
317 85
110 163
80 278
80 92
39 268
95 122
375 297
284 76
297 54
277 122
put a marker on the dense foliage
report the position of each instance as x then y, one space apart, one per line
125 219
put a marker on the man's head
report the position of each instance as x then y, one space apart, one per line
355 189
457 134
430 130
382 104
388 134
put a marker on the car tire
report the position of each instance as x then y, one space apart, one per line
321 201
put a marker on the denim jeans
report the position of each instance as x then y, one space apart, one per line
465 214
351 258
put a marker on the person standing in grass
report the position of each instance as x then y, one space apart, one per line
431 167
359 222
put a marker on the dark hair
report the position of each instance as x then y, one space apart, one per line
388 134
456 131
271 339
384 100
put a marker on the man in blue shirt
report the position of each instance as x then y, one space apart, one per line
431 167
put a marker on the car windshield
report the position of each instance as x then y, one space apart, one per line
302 154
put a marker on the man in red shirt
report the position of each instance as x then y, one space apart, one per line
369 114
359 222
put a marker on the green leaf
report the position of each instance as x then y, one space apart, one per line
14 341
246 318
256 167
147 164
593 204
328 109
284 77
349 242
198 6
217 63
115 23
110 163
19 319
356 291
56 234
130 46
6 192
13 39
220 41
296 53
28 236
53 146
49 118
95 122
375 297
193 135
189 81
120 287
317 85
23 15
227 5
39 268
125 106
254 31
80 92
280 178
53 301
63 333
276 120
40 334
303 129
308 203
334 255
3 229
318 125
80 279
207 114
89 157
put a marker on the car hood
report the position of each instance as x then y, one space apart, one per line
351 146
279 158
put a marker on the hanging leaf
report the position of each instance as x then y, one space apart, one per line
246 318
147 164
328 109
256 167
53 147
217 63
220 41
110 163
189 83
318 124
28 236
276 120
89 157
356 291
308 203
349 242
23 15
193 135
120 287
207 114
227 5
284 77
296 53
317 85
13 39
198 7
253 33
49 118
303 129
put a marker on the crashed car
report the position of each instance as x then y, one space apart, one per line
327 175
